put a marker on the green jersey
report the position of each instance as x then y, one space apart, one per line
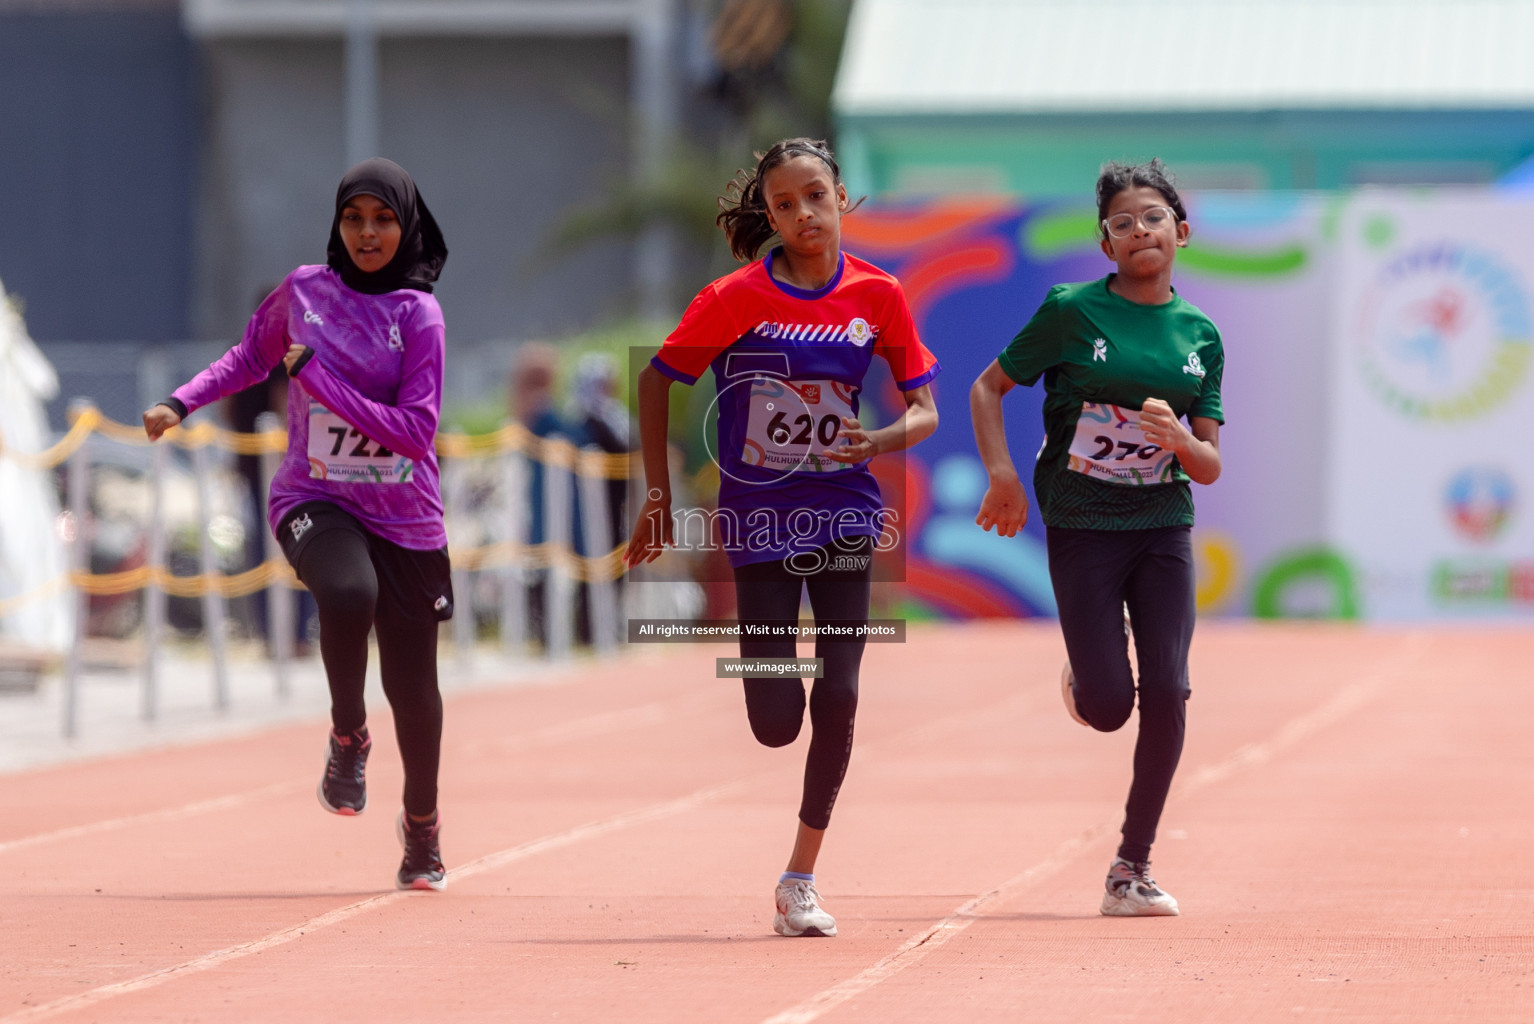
1101 356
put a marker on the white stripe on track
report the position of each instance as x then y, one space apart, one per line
221 803
604 723
920 945
644 815
489 862
1347 700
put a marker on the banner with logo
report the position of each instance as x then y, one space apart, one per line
1430 465
975 271
1377 391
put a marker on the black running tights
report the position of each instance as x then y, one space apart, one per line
338 570
770 591
1095 573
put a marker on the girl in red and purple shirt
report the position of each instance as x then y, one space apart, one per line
789 338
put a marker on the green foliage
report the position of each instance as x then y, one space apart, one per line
629 342
483 416
813 53
791 99
685 194
684 197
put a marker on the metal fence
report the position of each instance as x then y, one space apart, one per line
485 493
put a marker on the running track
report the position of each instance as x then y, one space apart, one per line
1350 840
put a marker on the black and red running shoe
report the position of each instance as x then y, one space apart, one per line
422 867
343 787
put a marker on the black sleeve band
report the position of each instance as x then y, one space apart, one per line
303 361
175 405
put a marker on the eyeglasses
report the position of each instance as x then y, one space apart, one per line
1122 225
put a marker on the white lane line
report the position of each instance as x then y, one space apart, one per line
605 723
582 728
479 865
221 803
1347 700
488 862
918 946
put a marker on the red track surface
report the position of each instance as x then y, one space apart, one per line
1349 840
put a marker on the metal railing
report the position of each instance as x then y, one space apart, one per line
509 559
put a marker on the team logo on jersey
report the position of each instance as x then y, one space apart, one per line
311 317
859 332
1195 366
396 343
1100 350
300 526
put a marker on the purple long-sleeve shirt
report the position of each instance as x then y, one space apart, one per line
372 392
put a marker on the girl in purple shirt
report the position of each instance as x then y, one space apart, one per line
356 503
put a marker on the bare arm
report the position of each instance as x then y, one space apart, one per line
1005 505
652 526
1197 449
914 426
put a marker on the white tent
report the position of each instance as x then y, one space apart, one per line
31 554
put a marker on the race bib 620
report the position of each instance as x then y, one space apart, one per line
793 423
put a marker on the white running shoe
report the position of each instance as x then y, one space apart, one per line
1132 892
798 910
1068 695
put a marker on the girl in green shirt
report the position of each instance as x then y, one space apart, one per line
1124 360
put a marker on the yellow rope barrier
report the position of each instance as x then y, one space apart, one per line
512 437
86 422
200 435
586 568
52 588
275 572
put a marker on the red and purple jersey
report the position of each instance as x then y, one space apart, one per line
788 364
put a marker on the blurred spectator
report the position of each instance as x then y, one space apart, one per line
601 421
534 371
242 409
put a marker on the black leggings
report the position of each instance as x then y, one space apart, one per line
338 569
770 592
1095 573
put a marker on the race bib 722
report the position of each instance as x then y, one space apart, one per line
339 451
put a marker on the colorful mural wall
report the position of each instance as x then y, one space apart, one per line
1372 396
